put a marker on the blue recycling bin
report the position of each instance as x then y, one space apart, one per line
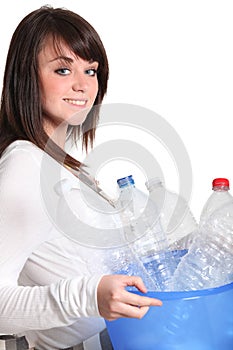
188 320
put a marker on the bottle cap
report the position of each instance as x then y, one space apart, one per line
153 182
220 182
125 181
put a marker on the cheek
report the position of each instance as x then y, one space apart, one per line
95 89
49 87
93 83
52 89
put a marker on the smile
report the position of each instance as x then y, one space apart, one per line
75 102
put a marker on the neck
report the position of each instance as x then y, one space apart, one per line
57 133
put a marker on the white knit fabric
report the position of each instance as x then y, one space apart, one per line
46 283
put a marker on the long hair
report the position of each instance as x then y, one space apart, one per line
21 110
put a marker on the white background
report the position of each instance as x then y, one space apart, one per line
173 57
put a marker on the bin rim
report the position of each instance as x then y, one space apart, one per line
191 294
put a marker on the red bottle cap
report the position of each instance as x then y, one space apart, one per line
221 182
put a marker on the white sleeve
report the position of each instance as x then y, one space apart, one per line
24 225
45 307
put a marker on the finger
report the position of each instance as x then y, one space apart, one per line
139 300
137 282
129 311
133 306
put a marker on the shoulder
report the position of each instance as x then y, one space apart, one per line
23 159
20 151
20 169
26 171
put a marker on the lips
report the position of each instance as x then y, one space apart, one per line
76 102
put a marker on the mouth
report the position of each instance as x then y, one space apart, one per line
75 102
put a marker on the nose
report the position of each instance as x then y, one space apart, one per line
80 82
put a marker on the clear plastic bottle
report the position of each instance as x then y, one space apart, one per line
89 221
209 261
218 198
175 215
144 233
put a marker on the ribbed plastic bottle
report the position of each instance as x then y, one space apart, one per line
209 261
88 220
144 233
175 215
217 199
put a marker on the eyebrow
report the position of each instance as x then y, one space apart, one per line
68 59
64 58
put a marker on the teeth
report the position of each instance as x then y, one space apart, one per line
76 102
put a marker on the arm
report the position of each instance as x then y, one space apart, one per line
44 307
24 226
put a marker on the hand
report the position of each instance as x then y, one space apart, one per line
115 301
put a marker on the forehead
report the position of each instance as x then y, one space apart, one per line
53 48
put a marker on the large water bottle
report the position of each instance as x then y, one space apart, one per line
144 233
90 221
217 199
209 261
175 215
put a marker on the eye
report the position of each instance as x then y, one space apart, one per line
92 72
62 71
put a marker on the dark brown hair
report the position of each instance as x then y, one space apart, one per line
21 111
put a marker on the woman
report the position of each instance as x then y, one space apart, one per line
55 80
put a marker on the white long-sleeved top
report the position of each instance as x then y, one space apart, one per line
47 288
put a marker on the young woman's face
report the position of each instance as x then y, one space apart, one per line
68 85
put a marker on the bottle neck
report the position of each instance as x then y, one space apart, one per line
126 186
153 183
154 187
221 188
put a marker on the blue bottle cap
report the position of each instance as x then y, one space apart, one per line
125 181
